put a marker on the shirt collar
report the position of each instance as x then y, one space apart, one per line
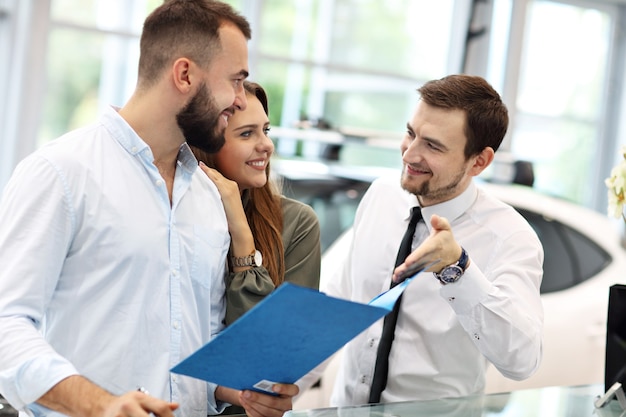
134 145
411 201
121 131
187 159
454 208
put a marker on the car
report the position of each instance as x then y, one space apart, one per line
584 256
6 410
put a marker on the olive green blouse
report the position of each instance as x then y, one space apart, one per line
301 239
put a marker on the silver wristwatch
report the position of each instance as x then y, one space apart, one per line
254 259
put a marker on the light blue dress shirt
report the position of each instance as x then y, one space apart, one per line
100 276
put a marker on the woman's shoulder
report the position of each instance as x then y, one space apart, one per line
298 217
294 208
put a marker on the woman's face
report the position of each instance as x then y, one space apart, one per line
247 150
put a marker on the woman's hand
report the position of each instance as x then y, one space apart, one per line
242 241
229 191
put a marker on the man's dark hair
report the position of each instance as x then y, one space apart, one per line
487 118
183 28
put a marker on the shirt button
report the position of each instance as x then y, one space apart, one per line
451 299
133 149
175 272
159 183
371 343
174 378
476 336
363 379
176 324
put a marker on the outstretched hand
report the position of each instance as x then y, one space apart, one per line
440 247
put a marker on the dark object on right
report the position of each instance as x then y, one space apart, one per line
615 364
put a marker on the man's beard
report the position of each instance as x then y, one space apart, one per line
424 189
199 121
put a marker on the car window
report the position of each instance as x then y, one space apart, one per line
569 256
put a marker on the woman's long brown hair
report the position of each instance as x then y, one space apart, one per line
262 207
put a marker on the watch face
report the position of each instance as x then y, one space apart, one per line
258 258
450 274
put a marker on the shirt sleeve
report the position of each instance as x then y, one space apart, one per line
215 406
33 247
500 307
336 272
244 290
301 239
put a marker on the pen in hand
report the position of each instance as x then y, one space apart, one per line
172 406
145 391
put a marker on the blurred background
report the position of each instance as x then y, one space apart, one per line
346 71
342 77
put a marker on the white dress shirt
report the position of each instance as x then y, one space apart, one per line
101 276
445 335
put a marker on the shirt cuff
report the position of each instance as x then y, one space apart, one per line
215 406
26 383
468 291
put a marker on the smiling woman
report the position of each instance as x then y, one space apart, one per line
261 221
273 238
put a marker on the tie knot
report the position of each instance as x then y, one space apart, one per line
416 216
407 240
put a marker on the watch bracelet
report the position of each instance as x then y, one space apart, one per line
247 260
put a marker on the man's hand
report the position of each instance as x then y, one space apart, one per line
77 396
138 404
257 404
440 246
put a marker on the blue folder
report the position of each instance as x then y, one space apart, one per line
283 337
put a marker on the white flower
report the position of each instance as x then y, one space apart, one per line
616 185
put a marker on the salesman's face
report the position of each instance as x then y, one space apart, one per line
435 168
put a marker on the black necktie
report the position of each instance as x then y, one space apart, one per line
389 326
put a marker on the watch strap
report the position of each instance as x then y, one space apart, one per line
462 262
460 265
244 260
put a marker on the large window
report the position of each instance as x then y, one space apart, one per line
351 63
91 60
560 113
354 64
